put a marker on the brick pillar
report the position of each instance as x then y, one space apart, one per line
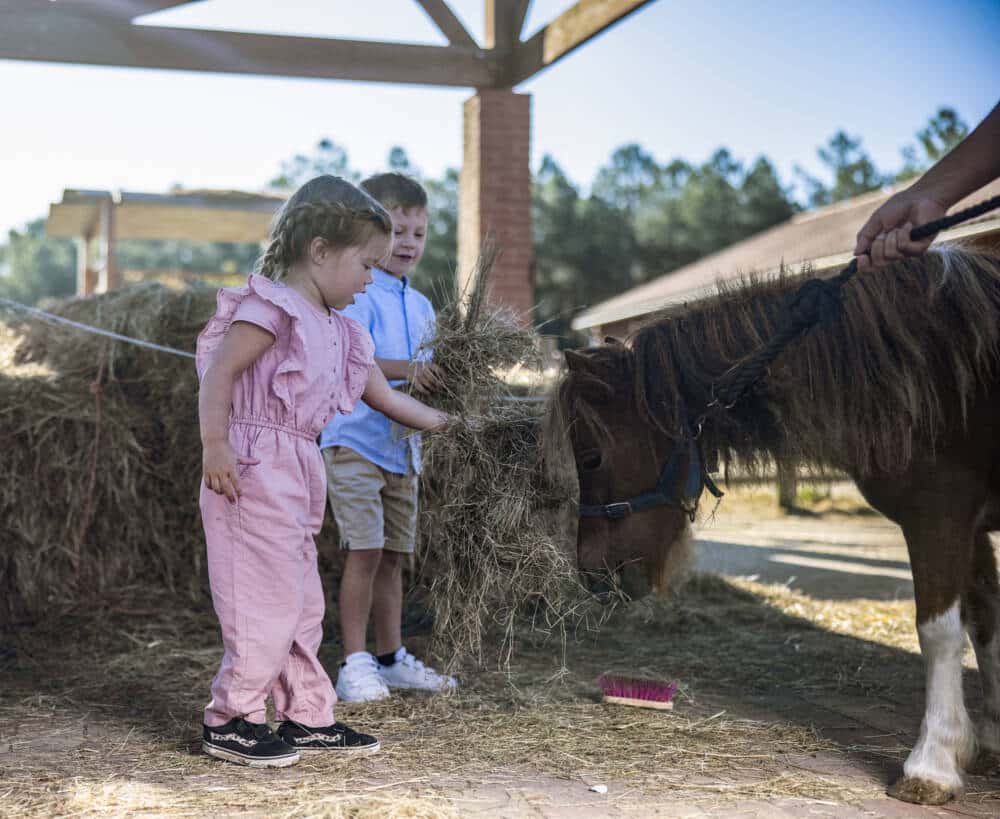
495 194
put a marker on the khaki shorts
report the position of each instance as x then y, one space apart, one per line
374 508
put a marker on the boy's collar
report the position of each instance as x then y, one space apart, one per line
387 280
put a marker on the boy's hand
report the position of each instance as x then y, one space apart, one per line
426 377
219 466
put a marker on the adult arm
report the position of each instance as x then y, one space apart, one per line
974 162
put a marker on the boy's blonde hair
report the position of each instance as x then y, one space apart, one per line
329 207
396 190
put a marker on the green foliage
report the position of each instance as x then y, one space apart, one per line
399 162
628 179
942 133
585 250
33 267
681 212
191 257
327 157
435 276
853 172
641 219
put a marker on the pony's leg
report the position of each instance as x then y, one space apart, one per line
940 546
981 609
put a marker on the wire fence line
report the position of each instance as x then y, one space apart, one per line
87 328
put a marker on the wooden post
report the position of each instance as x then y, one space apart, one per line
108 274
495 195
84 268
504 20
788 486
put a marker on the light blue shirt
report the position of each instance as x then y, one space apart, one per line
400 320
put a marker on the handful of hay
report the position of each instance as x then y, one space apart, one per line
498 526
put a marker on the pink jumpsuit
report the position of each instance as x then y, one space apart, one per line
262 561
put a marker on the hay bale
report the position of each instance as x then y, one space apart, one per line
102 452
99 482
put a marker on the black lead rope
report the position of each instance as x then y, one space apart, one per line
815 300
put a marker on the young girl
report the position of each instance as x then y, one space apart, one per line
275 363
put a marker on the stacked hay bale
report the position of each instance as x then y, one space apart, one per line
101 452
102 459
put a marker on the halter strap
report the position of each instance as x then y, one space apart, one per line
696 480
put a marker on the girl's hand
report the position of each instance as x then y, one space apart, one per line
444 419
219 466
400 407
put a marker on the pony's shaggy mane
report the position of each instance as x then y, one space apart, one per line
901 360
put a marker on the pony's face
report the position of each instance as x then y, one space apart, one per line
618 457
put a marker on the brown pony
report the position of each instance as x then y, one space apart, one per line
898 387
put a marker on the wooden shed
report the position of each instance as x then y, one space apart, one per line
96 220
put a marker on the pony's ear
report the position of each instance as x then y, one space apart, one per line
589 382
576 362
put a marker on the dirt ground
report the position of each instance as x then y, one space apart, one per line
801 692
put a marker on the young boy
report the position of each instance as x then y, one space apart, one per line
372 465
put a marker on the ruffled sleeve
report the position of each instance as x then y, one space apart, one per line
268 305
360 360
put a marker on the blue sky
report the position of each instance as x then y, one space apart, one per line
679 77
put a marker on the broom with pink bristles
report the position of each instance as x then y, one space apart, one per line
638 693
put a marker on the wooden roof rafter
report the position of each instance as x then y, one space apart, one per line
448 24
567 32
103 32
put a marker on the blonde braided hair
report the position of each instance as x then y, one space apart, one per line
329 207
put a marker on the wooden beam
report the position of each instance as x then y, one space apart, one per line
503 24
568 31
48 34
151 6
448 24
119 9
521 8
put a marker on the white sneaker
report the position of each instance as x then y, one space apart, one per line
409 672
358 680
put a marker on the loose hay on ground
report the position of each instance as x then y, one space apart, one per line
139 692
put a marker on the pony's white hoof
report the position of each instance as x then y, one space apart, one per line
920 791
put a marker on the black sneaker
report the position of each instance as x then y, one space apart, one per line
248 743
336 737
